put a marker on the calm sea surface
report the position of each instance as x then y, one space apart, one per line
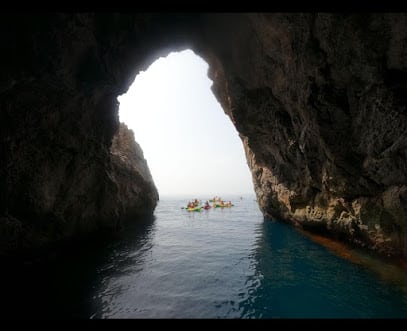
220 263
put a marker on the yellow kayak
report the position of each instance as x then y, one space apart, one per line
194 209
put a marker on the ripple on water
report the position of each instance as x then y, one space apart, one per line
214 264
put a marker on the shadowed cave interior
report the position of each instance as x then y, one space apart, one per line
318 101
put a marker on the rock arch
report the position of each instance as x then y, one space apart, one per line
318 99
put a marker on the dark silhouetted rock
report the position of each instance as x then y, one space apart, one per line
319 101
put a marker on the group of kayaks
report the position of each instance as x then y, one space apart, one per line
217 202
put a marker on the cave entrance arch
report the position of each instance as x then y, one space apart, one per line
190 144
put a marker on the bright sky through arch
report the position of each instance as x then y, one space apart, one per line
190 144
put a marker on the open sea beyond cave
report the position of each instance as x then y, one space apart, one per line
219 263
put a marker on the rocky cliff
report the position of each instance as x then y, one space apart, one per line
136 193
318 100
60 175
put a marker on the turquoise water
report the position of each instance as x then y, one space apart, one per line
220 263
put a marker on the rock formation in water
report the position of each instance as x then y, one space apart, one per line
320 103
60 175
136 193
318 100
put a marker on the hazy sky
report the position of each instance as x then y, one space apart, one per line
190 144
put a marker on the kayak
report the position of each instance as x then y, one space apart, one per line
220 206
194 209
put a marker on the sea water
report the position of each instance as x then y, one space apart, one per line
217 263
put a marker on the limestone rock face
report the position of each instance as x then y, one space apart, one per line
60 175
137 193
319 101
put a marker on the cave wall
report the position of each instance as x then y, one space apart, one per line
136 192
320 103
318 100
59 177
